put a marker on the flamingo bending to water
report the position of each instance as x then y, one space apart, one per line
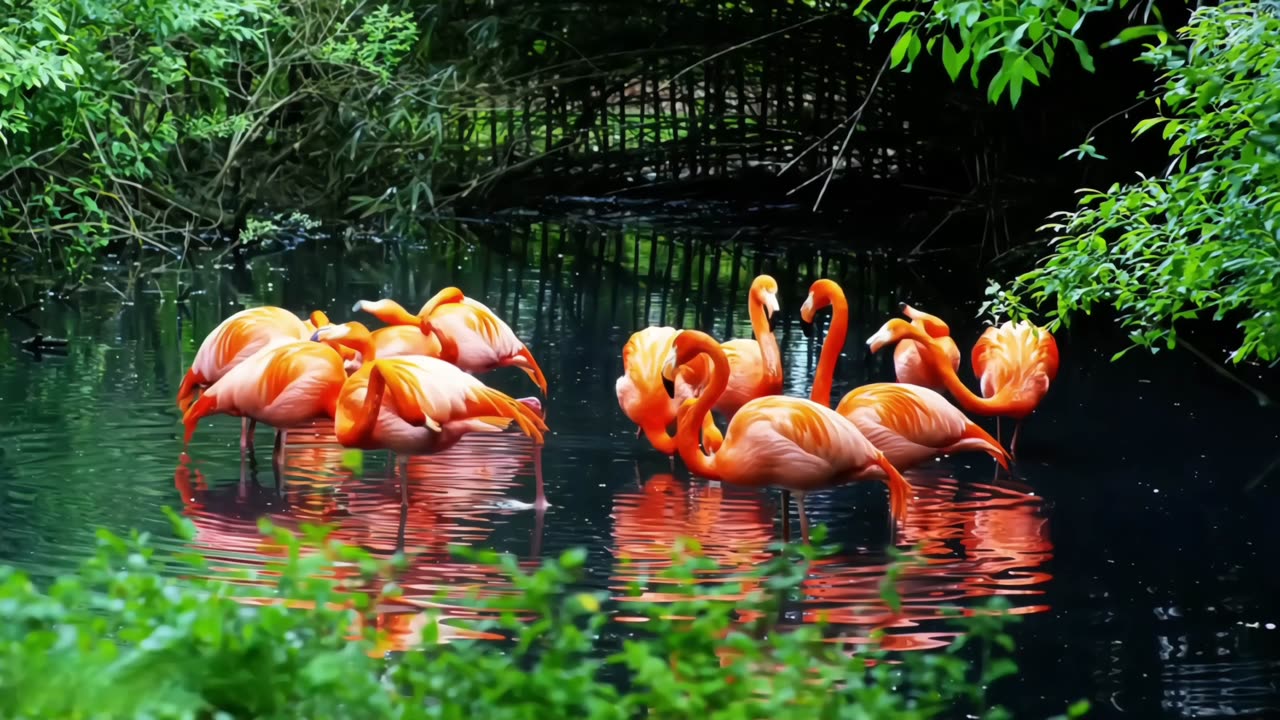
755 366
470 335
236 339
908 366
1016 364
644 397
416 405
282 385
909 423
776 441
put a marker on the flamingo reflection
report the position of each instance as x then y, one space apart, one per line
455 498
974 541
733 526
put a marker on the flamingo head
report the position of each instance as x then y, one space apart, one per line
821 295
889 333
764 290
931 324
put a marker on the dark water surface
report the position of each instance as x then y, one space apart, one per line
1147 577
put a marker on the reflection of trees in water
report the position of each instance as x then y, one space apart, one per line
975 540
454 498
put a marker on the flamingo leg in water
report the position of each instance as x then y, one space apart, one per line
247 426
804 518
786 516
404 516
535 544
998 429
540 502
277 455
1013 443
402 464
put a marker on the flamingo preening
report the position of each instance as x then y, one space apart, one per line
1015 365
909 423
907 363
470 335
415 405
776 441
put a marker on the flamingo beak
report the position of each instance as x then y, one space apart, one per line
315 336
669 374
806 316
881 338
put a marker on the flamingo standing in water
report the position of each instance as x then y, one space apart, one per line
777 441
470 335
235 340
281 385
907 363
909 423
644 397
1016 364
755 370
415 405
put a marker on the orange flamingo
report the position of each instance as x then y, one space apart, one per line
755 366
785 442
646 400
1016 364
282 385
430 405
909 423
470 335
907 364
234 341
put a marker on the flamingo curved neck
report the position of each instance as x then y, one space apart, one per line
361 343
831 347
769 350
1002 403
692 419
361 427
661 440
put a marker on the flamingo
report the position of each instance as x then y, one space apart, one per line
909 423
907 365
429 405
1016 364
785 442
470 335
281 385
755 366
235 340
642 394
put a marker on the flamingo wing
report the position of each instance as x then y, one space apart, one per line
401 340
234 340
641 393
793 443
483 340
746 376
430 392
1021 356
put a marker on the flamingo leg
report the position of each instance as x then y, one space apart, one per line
403 465
535 543
998 429
1013 444
786 516
247 426
540 502
277 455
804 518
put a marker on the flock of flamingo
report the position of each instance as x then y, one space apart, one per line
411 388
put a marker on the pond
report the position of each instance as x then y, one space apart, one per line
1145 574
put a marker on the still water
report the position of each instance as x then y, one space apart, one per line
1145 575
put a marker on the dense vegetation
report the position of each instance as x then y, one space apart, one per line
301 639
147 122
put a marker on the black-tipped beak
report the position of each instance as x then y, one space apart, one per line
775 319
902 306
670 387
807 328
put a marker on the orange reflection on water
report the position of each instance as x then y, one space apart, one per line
733 526
975 540
455 497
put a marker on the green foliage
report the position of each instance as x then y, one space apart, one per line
1020 38
297 639
1203 239
144 119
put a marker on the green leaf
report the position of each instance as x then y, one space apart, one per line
952 59
1082 51
899 50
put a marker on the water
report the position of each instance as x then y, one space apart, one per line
1145 575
